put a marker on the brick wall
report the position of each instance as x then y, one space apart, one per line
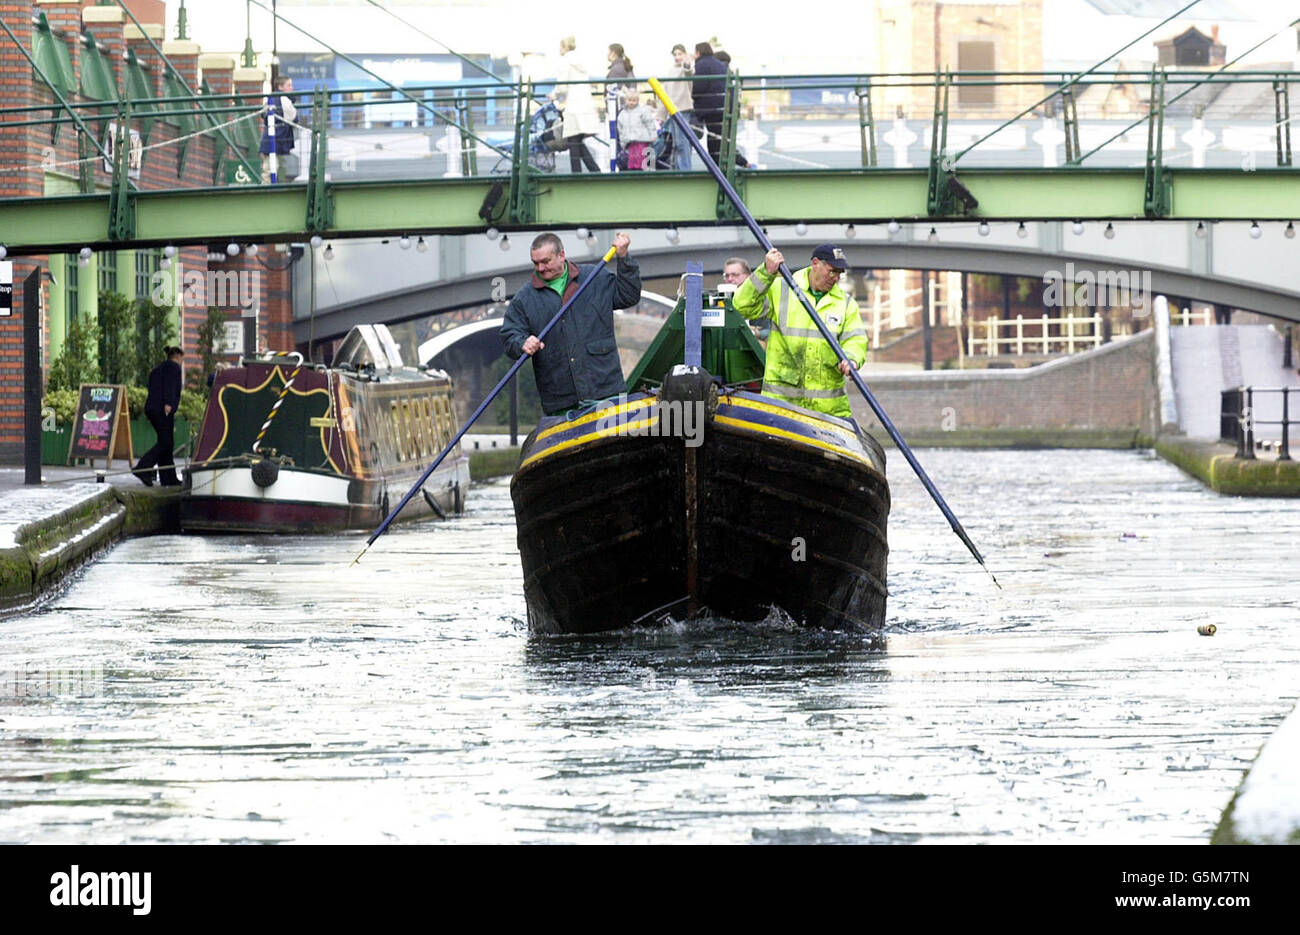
26 154
924 36
1110 388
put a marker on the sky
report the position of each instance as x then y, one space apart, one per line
761 36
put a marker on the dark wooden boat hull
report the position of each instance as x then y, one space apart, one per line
777 507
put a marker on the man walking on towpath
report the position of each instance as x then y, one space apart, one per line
579 360
160 409
802 368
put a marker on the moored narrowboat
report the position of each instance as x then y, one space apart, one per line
287 446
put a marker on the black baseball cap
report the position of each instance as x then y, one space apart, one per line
832 255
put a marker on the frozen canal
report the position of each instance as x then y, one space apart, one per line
237 689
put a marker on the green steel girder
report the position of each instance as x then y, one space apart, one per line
320 204
725 210
945 196
521 201
1157 199
269 213
866 123
121 207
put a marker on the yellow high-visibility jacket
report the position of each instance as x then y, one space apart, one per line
801 366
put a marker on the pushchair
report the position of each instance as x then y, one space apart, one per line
663 148
545 139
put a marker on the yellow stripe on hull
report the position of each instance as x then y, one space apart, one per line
795 436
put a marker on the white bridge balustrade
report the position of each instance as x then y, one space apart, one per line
1075 333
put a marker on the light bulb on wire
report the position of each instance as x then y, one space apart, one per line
404 242
1109 232
421 246
984 228
316 241
850 232
1022 232
329 251
1200 229
1255 231
505 243
801 228
491 233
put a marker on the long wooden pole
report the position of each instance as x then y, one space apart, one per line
383 527
788 276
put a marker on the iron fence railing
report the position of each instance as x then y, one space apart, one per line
1239 417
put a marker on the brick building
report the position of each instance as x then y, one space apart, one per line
925 36
96 55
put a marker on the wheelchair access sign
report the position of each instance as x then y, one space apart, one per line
237 174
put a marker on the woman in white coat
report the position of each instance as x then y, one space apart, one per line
580 120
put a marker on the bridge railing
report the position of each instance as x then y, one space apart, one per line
792 122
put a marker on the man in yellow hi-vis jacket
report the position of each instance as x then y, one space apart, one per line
801 366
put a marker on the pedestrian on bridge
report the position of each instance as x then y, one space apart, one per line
710 95
280 108
802 368
580 119
637 131
579 361
679 92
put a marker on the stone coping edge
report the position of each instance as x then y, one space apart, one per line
1214 464
52 548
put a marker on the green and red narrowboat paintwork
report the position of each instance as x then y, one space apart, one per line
344 444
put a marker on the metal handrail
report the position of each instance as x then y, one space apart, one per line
1237 419
452 104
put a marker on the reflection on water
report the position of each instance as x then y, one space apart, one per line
264 690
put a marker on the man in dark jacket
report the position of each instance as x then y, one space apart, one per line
579 359
160 409
709 93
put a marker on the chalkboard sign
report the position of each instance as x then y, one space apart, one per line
102 426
